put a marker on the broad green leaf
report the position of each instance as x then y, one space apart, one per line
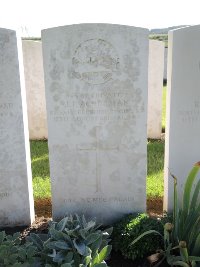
96 245
81 248
69 257
87 260
83 233
51 244
57 235
92 238
104 253
31 250
196 249
59 258
95 259
36 241
22 253
144 234
62 245
180 263
61 225
90 225
188 185
194 201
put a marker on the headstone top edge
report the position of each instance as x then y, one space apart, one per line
94 25
184 29
7 30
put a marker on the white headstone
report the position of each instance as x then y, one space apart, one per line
16 196
34 80
183 108
155 88
96 88
165 63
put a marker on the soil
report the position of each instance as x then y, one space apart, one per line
43 215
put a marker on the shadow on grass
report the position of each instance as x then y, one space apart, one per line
39 159
155 157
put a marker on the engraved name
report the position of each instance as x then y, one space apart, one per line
91 107
100 200
4 195
191 115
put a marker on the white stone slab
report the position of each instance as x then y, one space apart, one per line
34 81
155 89
183 108
16 196
165 63
96 88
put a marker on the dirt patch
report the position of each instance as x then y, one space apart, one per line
43 207
155 206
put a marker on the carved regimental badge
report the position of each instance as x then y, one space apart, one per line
95 61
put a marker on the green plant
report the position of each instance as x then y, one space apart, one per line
186 216
129 228
73 242
184 233
14 253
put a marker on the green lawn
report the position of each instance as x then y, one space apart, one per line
155 165
40 169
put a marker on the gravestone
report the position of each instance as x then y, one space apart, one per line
165 64
96 89
155 88
35 92
183 108
16 196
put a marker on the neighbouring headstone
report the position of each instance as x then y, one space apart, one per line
155 88
165 64
16 196
183 108
35 91
96 87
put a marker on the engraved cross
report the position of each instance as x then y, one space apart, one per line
97 147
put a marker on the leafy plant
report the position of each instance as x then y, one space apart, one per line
184 233
73 242
13 253
129 228
186 216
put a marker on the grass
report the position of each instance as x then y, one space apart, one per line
40 169
155 165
